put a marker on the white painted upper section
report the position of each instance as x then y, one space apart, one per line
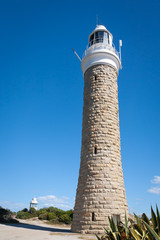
101 28
34 201
100 50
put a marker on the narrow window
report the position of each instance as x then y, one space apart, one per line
93 216
95 150
95 77
100 36
91 40
96 37
116 218
106 38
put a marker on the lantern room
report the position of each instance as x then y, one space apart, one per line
34 203
100 50
100 35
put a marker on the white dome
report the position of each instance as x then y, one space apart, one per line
100 27
34 201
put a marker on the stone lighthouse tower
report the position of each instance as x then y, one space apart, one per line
100 191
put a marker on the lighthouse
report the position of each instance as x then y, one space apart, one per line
100 191
34 203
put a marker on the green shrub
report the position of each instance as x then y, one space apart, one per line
51 209
65 218
23 215
70 213
25 210
41 211
58 212
43 216
33 211
54 221
51 216
140 228
6 216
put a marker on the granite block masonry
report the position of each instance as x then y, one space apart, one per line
100 191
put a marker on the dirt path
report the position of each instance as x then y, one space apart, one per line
37 230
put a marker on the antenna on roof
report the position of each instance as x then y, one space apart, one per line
77 55
96 19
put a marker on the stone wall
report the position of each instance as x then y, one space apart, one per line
100 191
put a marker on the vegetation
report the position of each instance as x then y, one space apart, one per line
25 214
141 228
6 216
53 215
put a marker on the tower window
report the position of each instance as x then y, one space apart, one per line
116 218
95 77
95 150
99 37
91 40
93 216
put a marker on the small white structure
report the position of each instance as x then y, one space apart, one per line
34 203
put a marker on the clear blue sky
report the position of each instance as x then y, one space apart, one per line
41 98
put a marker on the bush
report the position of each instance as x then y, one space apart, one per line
41 211
65 218
51 216
33 211
25 210
70 213
24 215
43 216
139 228
51 209
6 216
55 215
54 221
58 212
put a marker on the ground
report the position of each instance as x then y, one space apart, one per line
38 230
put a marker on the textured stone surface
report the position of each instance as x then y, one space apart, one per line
100 191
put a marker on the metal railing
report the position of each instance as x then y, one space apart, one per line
100 43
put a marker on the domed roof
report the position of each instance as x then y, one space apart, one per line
34 201
100 27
